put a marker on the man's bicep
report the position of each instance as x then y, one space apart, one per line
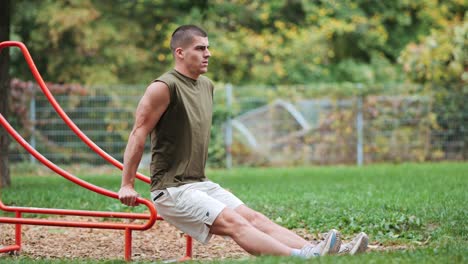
152 106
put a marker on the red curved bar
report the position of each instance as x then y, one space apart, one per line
18 210
18 221
62 113
33 210
73 179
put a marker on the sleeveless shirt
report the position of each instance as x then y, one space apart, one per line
179 141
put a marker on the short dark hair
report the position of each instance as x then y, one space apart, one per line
183 35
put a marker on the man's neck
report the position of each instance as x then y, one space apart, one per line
186 73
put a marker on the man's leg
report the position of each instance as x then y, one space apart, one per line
262 223
232 224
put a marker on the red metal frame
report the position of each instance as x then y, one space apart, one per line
18 220
18 210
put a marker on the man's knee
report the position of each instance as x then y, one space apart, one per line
260 221
256 219
229 223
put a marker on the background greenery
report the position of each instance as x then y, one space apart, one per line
276 44
419 206
253 42
293 49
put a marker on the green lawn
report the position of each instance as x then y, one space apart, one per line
422 207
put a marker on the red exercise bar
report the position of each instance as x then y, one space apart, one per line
60 111
18 220
127 227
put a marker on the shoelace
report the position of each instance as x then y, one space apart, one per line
345 248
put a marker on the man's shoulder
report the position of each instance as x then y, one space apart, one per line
167 75
205 80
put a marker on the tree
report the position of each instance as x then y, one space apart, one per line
4 92
440 62
272 42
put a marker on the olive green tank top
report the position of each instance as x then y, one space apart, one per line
179 141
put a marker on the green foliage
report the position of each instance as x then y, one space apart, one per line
439 62
439 58
217 148
253 42
275 44
80 41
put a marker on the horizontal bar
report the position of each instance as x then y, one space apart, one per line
89 110
94 98
9 248
45 222
80 121
34 210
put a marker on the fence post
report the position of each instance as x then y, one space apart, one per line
359 128
32 119
228 133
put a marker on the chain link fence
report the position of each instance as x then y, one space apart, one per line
257 129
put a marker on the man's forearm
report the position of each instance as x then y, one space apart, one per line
132 157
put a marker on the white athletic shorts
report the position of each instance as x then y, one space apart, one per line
193 207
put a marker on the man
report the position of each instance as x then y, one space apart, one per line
176 112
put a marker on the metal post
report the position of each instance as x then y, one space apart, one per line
189 246
32 117
228 134
18 232
128 244
359 128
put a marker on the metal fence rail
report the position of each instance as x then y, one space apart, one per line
373 128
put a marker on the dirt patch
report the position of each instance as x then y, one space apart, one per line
161 242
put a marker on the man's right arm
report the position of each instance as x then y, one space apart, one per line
151 107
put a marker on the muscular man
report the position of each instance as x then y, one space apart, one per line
176 111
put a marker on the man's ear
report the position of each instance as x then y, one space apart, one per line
179 52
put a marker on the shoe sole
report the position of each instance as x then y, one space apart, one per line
333 243
361 245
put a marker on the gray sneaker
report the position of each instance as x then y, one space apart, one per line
330 245
356 246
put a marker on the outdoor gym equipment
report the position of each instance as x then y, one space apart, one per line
18 220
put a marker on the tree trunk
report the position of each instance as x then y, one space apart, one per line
4 92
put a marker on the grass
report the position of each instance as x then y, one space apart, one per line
421 207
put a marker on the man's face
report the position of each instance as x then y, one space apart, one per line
196 55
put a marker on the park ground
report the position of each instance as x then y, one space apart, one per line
413 213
